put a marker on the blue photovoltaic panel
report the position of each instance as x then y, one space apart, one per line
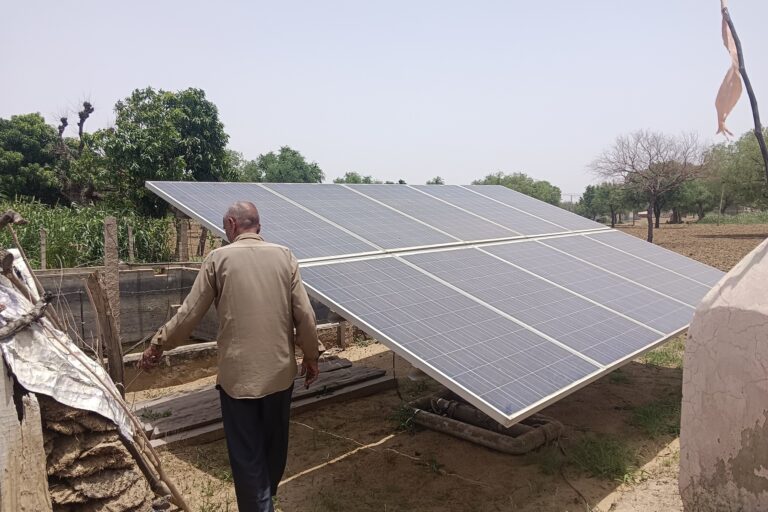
498 363
490 209
509 326
638 270
569 221
671 260
282 223
641 304
358 214
572 320
447 218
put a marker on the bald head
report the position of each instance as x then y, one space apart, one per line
241 217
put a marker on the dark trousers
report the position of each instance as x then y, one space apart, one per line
257 442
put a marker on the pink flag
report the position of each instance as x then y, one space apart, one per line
730 89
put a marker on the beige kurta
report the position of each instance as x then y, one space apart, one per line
259 299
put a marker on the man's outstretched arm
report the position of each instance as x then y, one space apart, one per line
192 310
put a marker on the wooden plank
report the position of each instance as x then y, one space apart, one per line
202 408
356 390
23 477
215 431
161 403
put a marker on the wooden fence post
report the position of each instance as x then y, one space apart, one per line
131 257
183 239
109 284
43 249
202 241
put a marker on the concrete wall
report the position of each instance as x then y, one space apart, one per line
147 297
146 300
724 423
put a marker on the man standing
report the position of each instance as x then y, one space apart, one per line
260 300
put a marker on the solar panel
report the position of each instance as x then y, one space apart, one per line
650 274
670 260
380 225
502 367
589 328
628 298
510 302
532 206
501 213
449 218
282 222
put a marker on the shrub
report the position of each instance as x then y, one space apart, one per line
741 218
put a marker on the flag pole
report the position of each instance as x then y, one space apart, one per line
748 84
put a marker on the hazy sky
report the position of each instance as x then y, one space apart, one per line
396 89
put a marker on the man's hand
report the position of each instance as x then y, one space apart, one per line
309 371
150 358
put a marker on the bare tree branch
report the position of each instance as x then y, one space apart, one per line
652 163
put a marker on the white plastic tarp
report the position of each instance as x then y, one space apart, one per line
45 360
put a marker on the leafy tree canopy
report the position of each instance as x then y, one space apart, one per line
521 182
27 156
243 169
164 135
437 180
736 172
288 166
354 177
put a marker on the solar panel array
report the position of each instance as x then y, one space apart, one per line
510 302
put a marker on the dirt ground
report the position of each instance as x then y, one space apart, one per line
356 455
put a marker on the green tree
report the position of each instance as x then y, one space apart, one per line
737 173
693 197
288 166
437 180
586 206
242 169
355 178
609 200
540 189
164 135
27 158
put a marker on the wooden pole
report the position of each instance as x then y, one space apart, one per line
109 339
112 269
720 208
105 289
202 241
183 239
43 249
131 257
750 92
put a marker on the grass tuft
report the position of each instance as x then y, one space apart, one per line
669 355
660 418
603 457
549 458
619 377
403 418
